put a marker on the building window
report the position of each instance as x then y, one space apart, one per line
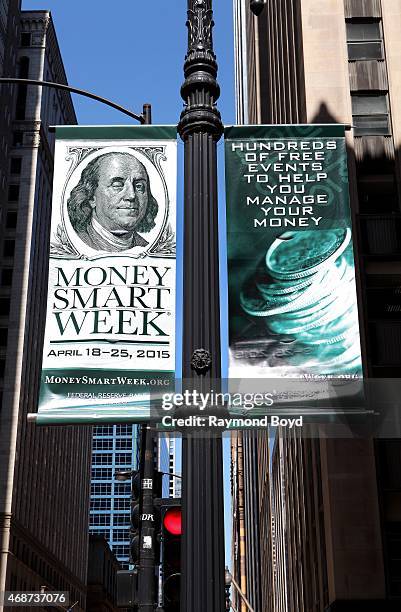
370 115
3 336
121 519
6 277
121 551
9 248
121 488
124 430
4 306
11 219
2 367
102 473
121 503
124 444
100 488
120 535
25 39
103 444
18 138
102 459
100 519
103 430
101 504
13 193
123 459
16 165
364 40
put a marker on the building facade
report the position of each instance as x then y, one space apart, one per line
44 472
330 534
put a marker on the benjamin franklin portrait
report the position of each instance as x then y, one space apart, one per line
112 204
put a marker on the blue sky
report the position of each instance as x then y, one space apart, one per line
135 56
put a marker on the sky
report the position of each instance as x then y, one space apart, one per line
132 53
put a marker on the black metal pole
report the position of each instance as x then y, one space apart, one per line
146 573
200 127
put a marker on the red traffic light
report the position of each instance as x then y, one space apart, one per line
172 521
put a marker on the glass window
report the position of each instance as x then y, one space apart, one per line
121 503
25 39
365 40
121 519
122 488
6 277
4 306
103 444
13 193
9 248
124 430
3 336
100 488
102 473
102 458
2 367
124 444
100 519
120 535
370 115
103 430
18 138
123 459
101 504
15 165
11 219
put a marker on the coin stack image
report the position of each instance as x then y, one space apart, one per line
305 291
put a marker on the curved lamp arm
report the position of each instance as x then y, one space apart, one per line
143 118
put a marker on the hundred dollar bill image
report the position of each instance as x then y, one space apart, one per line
291 273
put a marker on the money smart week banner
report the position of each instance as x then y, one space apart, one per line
109 338
291 275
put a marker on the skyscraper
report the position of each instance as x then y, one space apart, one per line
44 472
332 541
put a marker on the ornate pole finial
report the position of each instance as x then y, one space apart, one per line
200 90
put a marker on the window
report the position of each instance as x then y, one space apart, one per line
121 488
18 138
120 535
103 430
15 165
25 39
124 430
100 519
102 473
123 459
370 114
121 519
101 504
3 336
4 306
11 219
102 532
103 444
7 277
9 248
13 193
124 444
100 488
121 551
121 503
364 40
102 459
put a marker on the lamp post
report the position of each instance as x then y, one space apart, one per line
200 128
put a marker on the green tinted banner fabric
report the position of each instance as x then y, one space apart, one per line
291 275
109 347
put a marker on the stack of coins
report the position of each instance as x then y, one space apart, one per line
305 289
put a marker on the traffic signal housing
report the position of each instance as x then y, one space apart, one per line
171 553
136 511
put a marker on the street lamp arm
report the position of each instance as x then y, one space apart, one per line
248 605
141 118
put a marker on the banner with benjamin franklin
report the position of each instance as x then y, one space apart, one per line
291 274
109 340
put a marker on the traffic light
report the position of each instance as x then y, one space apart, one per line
136 511
171 553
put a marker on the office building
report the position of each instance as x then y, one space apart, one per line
333 536
115 448
44 471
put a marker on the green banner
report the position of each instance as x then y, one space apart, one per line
291 274
109 347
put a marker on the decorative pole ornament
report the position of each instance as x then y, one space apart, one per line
200 127
257 6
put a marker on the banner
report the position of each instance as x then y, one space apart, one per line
109 339
291 274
